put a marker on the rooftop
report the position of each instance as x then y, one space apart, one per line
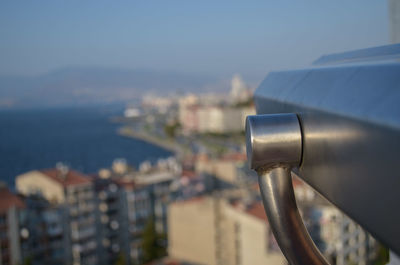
68 178
127 184
9 200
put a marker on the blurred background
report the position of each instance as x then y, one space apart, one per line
122 128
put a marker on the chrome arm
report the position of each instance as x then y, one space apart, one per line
274 146
284 218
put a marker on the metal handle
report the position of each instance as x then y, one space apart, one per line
274 146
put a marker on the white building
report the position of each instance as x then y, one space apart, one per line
346 242
199 116
222 119
213 231
341 239
188 107
239 91
73 192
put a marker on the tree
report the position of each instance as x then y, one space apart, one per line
27 261
382 256
170 129
153 244
120 259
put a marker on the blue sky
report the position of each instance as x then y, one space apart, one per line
207 37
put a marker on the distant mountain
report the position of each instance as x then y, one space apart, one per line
77 86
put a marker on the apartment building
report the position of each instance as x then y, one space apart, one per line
158 180
213 230
73 192
126 203
206 118
215 119
345 241
43 223
109 214
189 118
135 213
226 168
11 208
93 220
338 237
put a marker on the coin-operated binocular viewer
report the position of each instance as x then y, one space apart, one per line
337 126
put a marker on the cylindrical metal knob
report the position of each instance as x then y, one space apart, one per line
274 146
273 139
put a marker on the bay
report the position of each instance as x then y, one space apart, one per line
84 139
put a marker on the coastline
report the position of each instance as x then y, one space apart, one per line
126 131
85 140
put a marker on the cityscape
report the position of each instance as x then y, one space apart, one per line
199 206
125 140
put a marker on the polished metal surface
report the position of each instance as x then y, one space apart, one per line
285 220
388 52
274 146
350 118
273 139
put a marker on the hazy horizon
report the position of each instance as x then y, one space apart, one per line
219 38
56 52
